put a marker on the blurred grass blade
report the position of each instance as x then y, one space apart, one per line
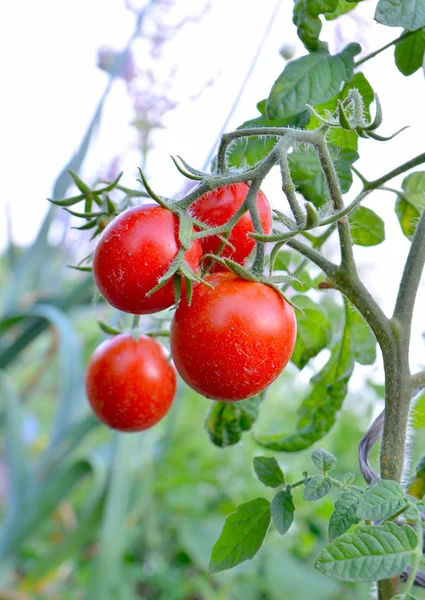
34 326
40 506
15 452
106 571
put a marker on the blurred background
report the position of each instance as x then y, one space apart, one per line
88 513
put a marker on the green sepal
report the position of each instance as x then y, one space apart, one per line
344 121
313 218
108 328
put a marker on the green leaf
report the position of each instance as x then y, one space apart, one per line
369 553
344 514
342 8
409 207
409 53
314 330
311 79
268 471
363 341
250 150
309 178
338 136
308 25
409 14
317 487
323 460
367 228
282 510
382 501
226 421
316 414
242 536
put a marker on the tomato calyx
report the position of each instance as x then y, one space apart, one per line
272 281
134 330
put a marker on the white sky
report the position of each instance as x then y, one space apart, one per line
51 86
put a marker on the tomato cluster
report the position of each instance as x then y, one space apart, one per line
229 343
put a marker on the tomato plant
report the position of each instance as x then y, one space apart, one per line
218 206
133 252
234 339
130 383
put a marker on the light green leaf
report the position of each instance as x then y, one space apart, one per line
282 509
268 471
242 536
409 207
369 553
409 14
314 331
317 487
323 460
409 53
367 228
382 501
311 79
344 514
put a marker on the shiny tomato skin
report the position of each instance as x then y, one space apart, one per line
133 252
217 207
130 384
233 340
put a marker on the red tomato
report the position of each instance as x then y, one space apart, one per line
130 384
133 252
233 340
218 206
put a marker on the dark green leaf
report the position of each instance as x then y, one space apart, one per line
409 207
341 8
409 14
369 553
308 25
311 79
314 331
226 421
268 471
323 460
242 536
367 228
409 53
308 175
317 487
344 514
282 509
382 501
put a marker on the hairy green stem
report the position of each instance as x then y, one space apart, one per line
288 186
417 382
346 244
376 52
413 162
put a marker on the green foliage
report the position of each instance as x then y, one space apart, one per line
312 79
317 487
369 553
309 178
242 536
323 460
282 510
268 471
410 204
345 513
226 421
381 501
367 228
409 53
314 331
409 14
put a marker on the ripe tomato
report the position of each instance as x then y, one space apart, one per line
133 252
233 340
217 207
130 384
